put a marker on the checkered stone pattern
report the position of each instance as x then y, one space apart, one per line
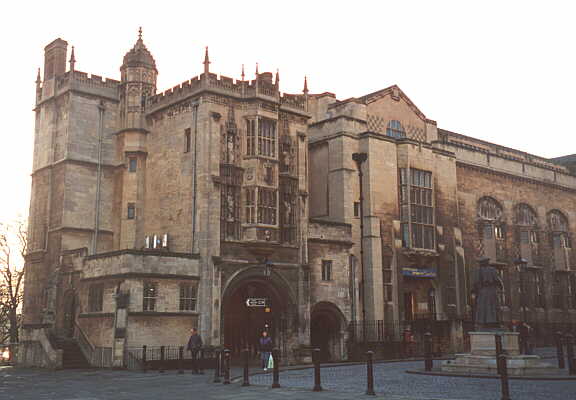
415 133
376 124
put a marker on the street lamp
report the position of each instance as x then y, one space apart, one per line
359 159
521 265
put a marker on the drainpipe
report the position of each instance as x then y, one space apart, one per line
194 184
98 178
360 158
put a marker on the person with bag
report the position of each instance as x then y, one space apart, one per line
266 350
194 347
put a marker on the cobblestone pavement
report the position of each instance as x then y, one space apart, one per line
390 379
345 382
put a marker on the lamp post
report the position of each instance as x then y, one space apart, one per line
521 265
359 159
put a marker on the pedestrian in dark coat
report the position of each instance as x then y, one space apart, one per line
194 347
265 349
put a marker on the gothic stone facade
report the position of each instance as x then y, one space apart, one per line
153 212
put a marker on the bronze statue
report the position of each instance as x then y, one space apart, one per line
487 283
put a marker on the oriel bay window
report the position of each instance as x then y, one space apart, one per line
261 137
417 208
267 206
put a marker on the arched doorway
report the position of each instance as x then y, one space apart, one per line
70 310
327 329
251 305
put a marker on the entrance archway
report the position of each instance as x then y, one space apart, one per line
70 310
327 331
251 305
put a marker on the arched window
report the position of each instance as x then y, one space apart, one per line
489 209
525 215
395 129
527 234
559 239
491 228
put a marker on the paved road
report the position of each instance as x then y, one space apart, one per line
339 383
391 379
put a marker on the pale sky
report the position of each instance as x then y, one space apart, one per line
501 71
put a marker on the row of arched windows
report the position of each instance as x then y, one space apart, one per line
524 215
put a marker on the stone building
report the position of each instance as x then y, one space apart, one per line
227 205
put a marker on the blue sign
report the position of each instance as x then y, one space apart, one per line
419 272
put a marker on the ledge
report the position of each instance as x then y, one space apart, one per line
145 275
96 315
162 314
144 252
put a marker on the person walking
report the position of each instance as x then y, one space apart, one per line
194 347
265 349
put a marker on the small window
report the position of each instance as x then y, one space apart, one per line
132 164
187 140
149 296
356 208
131 211
395 129
326 270
188 297
95 297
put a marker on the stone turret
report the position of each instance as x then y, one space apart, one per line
138 82
139 75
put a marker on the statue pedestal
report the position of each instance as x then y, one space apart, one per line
484 343
482 357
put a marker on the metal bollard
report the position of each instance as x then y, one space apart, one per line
570 354
316 360
217 367
181 360
276 369
222 363
501 360
499 351
162 355
226 367
370 373
246 356
559 350
144 350
200 362
428 361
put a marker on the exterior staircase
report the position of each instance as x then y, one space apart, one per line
72 355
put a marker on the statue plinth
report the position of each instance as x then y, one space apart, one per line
484 343
482 357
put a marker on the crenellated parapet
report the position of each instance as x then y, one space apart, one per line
240 89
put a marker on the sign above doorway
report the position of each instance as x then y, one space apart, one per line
256 302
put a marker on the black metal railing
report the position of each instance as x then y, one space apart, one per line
168 357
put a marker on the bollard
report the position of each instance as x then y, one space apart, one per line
316 360
559 350
428 362
570 354
246 355
217 367
370 373
144 348
276 369
162 355
503 368
226 367
181 360
222 363
498 340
